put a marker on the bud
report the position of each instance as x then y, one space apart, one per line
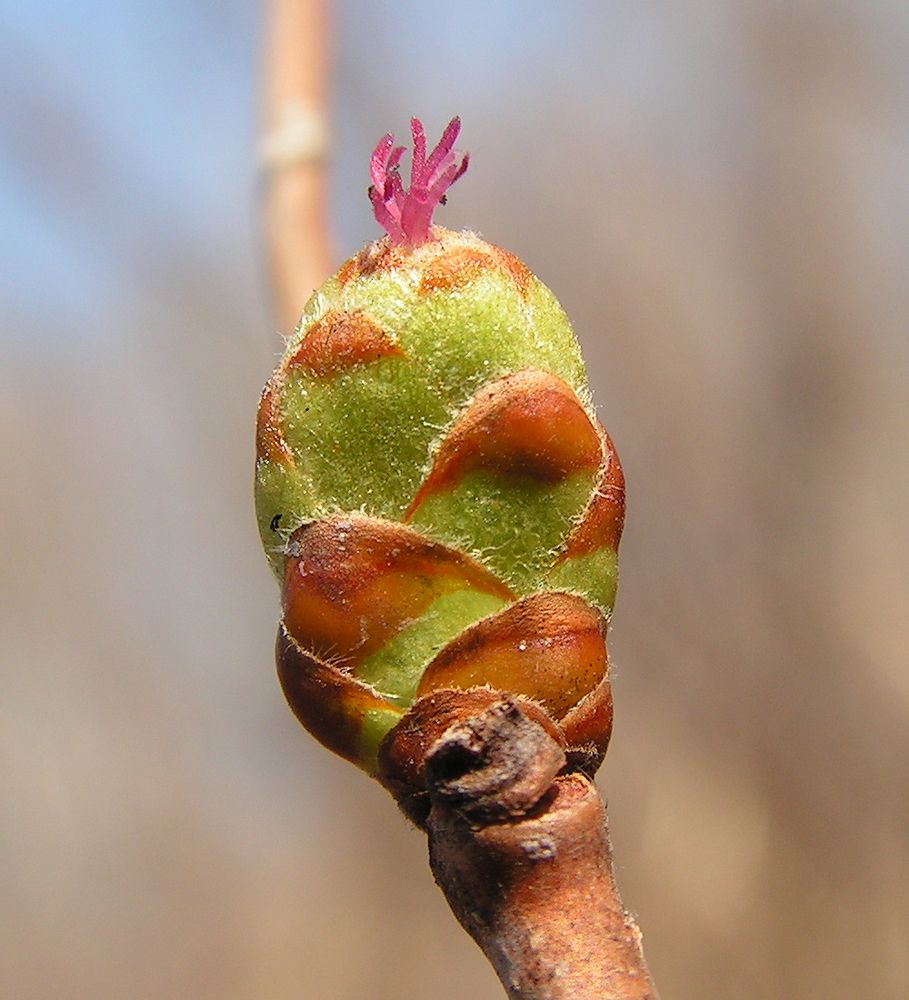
434 492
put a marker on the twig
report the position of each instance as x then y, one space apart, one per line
523 858
294 149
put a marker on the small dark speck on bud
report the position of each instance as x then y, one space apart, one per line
275 521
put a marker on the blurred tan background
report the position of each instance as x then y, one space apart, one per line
718 194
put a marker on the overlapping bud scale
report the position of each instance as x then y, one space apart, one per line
440 504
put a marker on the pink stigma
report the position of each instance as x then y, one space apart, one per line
407 215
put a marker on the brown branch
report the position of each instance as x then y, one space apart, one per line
294 149
524 859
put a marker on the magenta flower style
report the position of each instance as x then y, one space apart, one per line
407 215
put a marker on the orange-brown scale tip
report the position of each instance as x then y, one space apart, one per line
329 702
352 582
348 270
458 266
550 647
519 271
270 442
529 423
588 727
373 259
454 268
444 265
603 519
339 341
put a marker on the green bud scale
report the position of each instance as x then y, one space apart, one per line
435 493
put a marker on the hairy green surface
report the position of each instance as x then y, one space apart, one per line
594 576
376 724
363 440
464 337
396 668
513 525
280 491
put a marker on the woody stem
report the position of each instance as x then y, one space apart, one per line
525 863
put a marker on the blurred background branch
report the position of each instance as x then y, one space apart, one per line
294 151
